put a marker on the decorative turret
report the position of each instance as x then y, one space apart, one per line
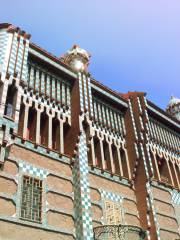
77 58
173 107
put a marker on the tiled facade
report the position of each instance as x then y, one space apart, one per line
95 151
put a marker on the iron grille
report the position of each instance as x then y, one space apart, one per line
118 232
31 201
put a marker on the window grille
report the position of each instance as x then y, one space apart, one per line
31 201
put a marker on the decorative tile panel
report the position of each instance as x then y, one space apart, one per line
32 170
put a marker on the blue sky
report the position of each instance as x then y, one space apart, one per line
135 44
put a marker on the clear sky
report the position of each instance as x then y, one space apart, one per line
135 44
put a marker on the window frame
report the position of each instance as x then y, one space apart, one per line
35 207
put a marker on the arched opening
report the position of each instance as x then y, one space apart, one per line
154 165
55 134
21 119
107 156
115 159
66 129
124 163
163 170
44 126
90 159
97 151
31 126
10 104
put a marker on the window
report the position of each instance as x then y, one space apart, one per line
113 213
31 201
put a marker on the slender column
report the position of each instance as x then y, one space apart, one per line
61 122
27 105
156 165
127 161
50 132
119 158
39 110
102 151
92 152
50 116
176 175
170 174
111 156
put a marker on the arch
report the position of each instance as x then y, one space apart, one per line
153 160
163 169
31 125
21 119
44 125
55 134
124 163
97 151
65 138
115 159
107 156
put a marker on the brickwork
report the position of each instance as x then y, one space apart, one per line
102 157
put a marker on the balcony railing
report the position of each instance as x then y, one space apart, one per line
118 232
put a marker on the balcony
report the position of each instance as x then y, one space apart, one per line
118 232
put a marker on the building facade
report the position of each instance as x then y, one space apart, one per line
78 159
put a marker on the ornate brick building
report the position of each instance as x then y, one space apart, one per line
78 159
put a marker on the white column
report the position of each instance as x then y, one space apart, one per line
170 174
101 138
26 113
92 152
61 122
118 146
127 161
39 110
111 156
176 174
50 116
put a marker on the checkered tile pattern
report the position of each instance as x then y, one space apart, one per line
81 93
111 196
83 222
3 45
151 202
34 171
24 66
175 197
84 228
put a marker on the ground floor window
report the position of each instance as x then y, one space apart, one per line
31 200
